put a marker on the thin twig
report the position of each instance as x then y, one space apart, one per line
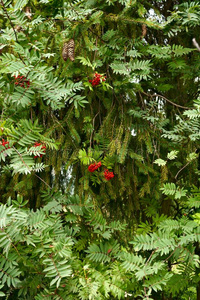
96 35
182 169
172 253
95 52
43 181
171 102
93 130
152 253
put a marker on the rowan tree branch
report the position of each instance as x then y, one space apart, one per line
16 38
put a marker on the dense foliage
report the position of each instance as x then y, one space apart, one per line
99 149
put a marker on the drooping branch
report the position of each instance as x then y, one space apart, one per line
163 97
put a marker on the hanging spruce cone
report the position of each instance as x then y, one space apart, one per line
28 12
70 49
18 28
144 30
65 51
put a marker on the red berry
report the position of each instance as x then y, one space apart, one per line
37 145
108 175
94 167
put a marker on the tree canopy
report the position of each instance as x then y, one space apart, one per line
99 149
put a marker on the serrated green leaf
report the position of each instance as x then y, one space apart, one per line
160 162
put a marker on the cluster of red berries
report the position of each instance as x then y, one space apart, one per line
94 167
43 147
107 175
97 79
22 81
4 143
